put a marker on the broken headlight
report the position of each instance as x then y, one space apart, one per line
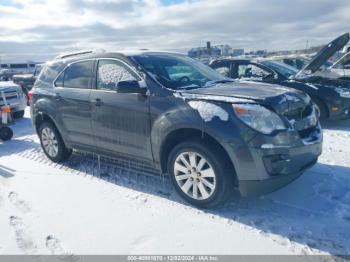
343 92
259 118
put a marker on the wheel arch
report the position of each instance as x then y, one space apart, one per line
323 103
183 134
42 117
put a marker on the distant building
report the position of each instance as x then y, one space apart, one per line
237 52
214 51
201 52
225 50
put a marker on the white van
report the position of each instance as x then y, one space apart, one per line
11 69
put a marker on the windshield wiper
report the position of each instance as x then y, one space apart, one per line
192 86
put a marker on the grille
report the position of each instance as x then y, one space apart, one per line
303 120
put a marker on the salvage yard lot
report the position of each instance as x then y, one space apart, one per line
77 208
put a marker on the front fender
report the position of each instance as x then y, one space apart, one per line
230 133
176 114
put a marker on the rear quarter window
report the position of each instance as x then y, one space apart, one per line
48 75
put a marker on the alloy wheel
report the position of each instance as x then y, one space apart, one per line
50 142
194 175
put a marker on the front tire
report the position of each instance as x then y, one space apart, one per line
200 174
52 143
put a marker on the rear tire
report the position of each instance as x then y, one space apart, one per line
200 174
52 143
6 133
18 114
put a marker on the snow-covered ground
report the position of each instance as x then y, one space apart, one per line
70 208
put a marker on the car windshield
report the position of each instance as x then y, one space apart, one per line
281 68
177 71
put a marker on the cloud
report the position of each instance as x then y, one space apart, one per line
39 29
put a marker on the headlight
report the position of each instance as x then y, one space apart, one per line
259 118
343 92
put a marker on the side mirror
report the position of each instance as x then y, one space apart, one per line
131 87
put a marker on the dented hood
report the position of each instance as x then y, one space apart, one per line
324 54
280 99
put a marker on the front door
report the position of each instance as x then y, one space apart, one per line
120 121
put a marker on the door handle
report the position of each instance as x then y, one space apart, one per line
98 102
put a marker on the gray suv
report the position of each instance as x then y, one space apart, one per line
165 110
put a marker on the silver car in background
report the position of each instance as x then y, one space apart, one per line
14 96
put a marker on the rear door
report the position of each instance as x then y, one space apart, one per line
72 95
120 121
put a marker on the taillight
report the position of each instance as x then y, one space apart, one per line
30 96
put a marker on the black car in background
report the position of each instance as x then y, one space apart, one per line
169 112
332 96
26 81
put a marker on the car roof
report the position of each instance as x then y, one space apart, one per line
72 57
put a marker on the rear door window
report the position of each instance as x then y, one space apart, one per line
79 75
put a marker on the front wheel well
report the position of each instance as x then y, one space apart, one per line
186 134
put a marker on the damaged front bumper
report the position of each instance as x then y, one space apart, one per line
276 161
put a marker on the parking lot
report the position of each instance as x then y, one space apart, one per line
80 208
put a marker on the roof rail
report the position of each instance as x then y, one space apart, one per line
78 53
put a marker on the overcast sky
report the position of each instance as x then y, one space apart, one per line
40 29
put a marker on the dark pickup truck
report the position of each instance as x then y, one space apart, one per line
26 81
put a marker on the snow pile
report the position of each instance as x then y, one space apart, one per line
209 110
